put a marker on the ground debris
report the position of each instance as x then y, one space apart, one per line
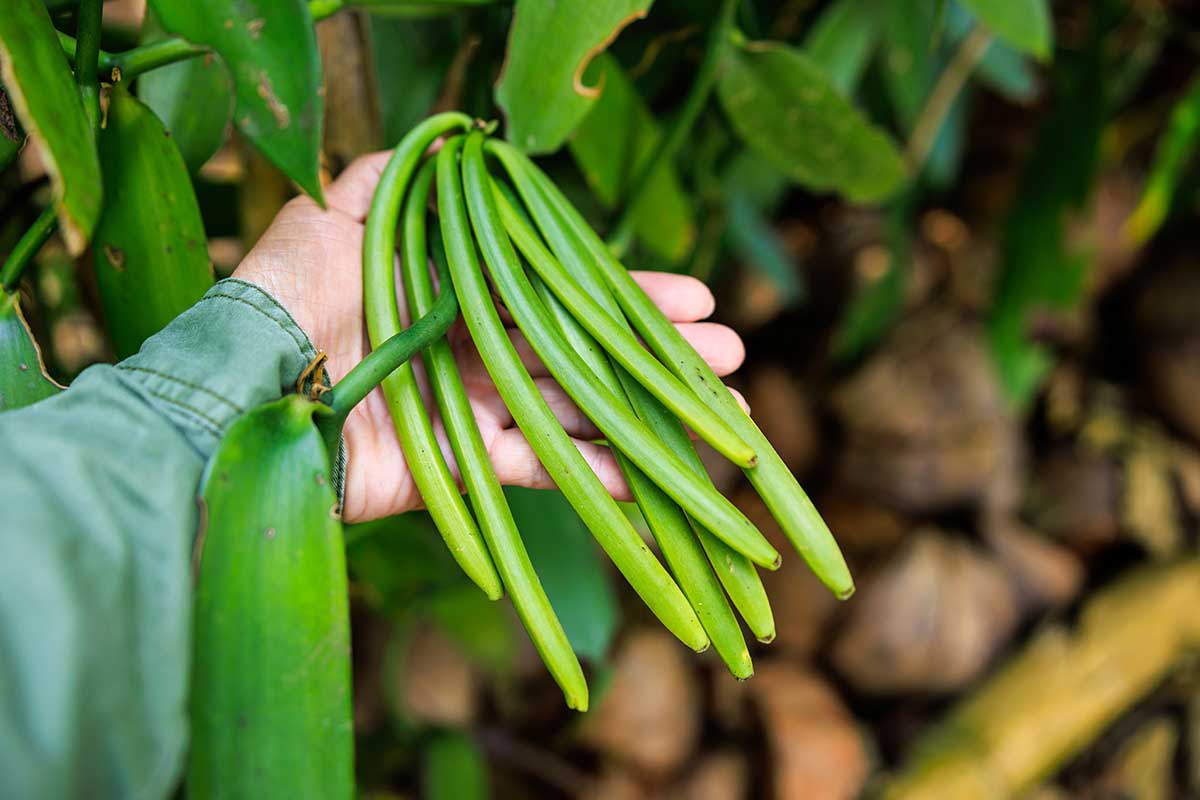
1060 692
649 718
944 435
817 749
929 619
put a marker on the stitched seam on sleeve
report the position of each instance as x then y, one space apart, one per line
214 427
289 331
263 293
185 383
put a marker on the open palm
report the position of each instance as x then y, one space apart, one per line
310 260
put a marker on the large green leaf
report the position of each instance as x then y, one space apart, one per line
542 90
784 106
150 251
570 568
23 378
842 40
271 51
270 704
177 92
612 144
1025 24
38 80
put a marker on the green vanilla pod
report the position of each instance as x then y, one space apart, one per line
496 521
736 572
771 478
270 697
23 378
624 347
610 414
149 250
533 416
667 522
413 427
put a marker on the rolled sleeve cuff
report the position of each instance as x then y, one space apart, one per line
235 349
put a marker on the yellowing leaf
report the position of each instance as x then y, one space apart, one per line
271 51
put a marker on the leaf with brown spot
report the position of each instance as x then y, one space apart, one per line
39 83
270 49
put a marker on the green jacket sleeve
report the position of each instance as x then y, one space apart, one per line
98 490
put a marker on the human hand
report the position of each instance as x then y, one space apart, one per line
310 260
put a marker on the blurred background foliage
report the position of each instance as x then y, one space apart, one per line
958 237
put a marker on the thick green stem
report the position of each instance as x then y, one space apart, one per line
28 245
87 57
706 78
129 64
386 359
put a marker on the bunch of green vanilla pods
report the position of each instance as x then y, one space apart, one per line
501 223
271 679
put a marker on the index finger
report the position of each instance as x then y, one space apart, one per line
681 298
